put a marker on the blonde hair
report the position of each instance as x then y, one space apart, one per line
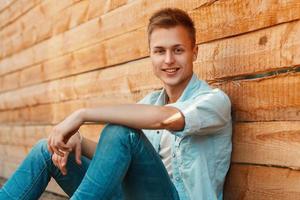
169 18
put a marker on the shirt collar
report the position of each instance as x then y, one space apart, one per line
193 84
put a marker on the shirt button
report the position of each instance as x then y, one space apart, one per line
157 132
177 179
173 155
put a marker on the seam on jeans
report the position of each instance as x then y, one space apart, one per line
107 183
105 194
140 135
140 140
173 187
94 182
35 181
8 193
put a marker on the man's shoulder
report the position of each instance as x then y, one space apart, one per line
203 90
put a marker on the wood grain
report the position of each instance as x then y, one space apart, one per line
258 52
27 136
266 99
97 30
53 17
127 78
230 61
10 10
4 4
267 143
248 182
260 143
91 32
272 98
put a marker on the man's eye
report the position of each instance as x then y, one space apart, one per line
160 51
178 51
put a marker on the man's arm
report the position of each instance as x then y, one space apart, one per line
138 116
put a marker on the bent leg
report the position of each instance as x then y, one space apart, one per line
33 175
124 157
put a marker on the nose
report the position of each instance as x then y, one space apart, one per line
169 57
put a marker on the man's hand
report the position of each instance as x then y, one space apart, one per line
74 144
62 132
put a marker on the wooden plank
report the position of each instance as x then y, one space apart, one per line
247 182
4 4
14 153
234 56
267 99
49 19
98 8
14 10
27 136
32 27
10 81
83 85
97 56
8 167
95 31
243 182
216 61
220 19
265 50
267 143
22 136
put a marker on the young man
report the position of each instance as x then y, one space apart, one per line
187 123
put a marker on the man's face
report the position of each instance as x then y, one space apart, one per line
172 55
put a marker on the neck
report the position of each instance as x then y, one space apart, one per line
173 93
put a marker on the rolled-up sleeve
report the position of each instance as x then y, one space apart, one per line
206 113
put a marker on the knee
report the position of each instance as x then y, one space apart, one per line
41 148
41 144
113 131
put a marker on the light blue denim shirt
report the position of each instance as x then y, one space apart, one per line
201 151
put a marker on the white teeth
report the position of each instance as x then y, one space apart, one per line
170 70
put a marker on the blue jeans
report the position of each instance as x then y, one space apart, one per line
125 166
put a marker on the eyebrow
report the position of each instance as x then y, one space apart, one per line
161 47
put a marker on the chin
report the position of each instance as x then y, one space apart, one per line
171 82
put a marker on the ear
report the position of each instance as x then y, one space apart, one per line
195 52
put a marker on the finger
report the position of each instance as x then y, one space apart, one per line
62 146
64 163
61 167
78 154
56 148
49 145
51 150
57 151
55 160
52 147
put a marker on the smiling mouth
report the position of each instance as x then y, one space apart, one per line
170 70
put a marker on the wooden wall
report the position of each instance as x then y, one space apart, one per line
57 56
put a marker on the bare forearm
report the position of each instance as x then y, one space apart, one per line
136 116
132 115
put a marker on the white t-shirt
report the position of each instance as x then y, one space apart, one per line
165 150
